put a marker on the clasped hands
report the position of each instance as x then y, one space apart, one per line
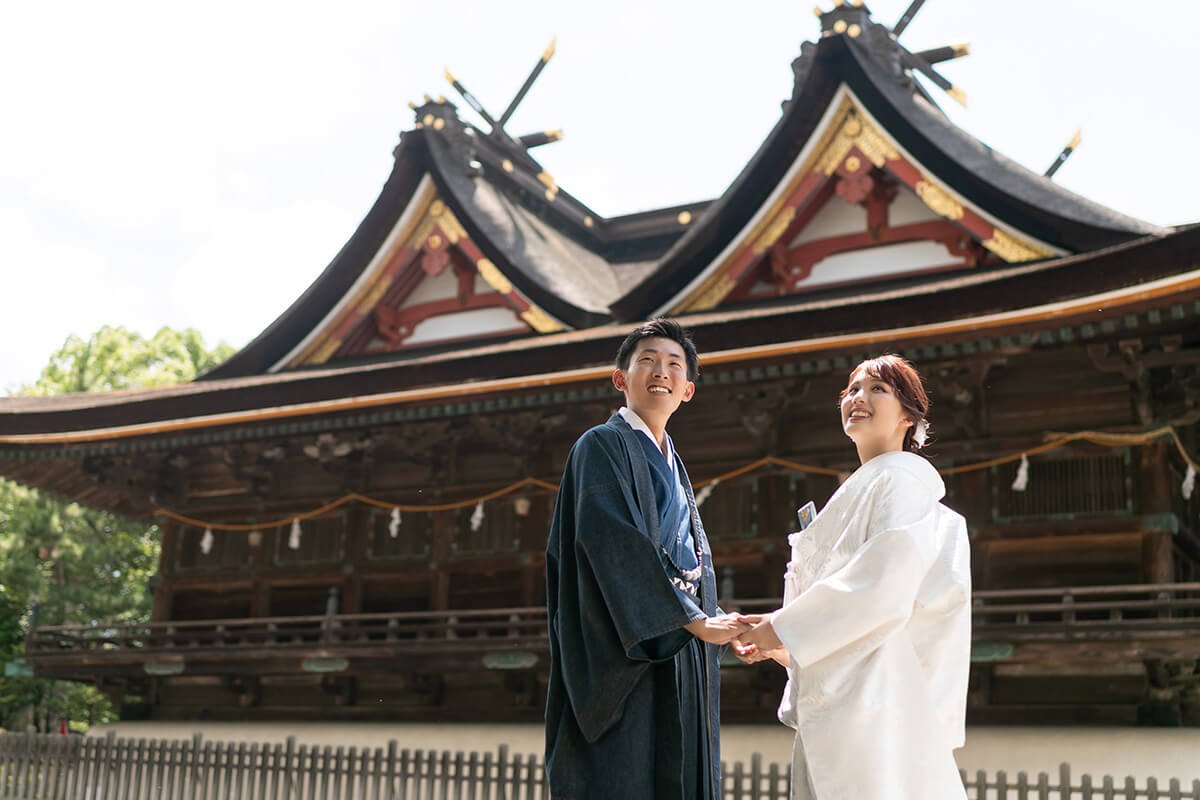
751 636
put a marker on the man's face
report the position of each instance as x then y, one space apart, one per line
656 381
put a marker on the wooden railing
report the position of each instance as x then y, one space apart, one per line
48 767
1068 614
433 631
1025 615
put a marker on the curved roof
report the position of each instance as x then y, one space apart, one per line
578 270
999 187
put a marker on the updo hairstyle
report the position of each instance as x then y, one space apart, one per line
905 381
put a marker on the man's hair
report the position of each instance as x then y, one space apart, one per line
905 381
667 329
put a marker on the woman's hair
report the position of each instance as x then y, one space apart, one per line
906 383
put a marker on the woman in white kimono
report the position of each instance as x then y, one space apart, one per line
875 628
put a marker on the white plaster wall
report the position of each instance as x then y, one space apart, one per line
443 286
836 218
474 322
907 208
878 262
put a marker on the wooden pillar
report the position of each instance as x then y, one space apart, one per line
354 556
1155 480
162 588
1158 563
533 584
439 549
260 587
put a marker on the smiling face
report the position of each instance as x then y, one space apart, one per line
656 381
872 415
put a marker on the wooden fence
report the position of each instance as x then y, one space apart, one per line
49 767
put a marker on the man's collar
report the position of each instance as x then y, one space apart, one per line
639 424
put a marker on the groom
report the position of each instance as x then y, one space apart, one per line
635 632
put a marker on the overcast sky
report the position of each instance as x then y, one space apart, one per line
197 165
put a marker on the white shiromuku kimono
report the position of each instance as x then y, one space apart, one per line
877 621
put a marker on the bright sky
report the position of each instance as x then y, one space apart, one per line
198 165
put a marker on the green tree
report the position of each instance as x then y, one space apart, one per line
81 565
116 358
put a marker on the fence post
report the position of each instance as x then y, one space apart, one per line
502 772
110 745
1064 781
390 772
289 749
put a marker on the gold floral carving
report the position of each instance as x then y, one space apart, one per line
325 352
493 276
1011 249
708 297
854 130
773 231
540 321
939 200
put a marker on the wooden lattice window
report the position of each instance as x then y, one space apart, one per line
500 531
1065 487
321 541
227 550
413 535
731 511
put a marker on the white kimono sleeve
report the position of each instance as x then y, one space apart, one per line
857 607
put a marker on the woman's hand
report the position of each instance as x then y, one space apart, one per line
718 630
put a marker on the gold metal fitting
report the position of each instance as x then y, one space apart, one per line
839 26
549 54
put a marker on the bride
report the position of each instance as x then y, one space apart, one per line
875 628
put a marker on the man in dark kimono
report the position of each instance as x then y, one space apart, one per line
635 632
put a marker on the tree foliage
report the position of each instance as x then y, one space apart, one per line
81 565
116 358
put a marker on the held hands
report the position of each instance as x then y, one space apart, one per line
751 636
759 643
718 630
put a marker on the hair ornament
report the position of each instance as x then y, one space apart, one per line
920 433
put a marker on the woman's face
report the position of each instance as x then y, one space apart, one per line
872 414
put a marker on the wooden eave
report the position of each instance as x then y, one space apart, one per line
1154 274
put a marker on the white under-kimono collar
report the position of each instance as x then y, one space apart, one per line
639 424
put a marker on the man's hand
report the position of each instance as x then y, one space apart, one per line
718 630
761 635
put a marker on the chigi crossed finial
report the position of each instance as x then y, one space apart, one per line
853 18
498 133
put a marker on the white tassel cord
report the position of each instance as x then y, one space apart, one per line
394 524
1189 482
294 538
1021 482
703 494
477 516
206 541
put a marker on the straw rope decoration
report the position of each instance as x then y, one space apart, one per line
1056 440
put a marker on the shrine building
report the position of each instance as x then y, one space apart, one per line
354 507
